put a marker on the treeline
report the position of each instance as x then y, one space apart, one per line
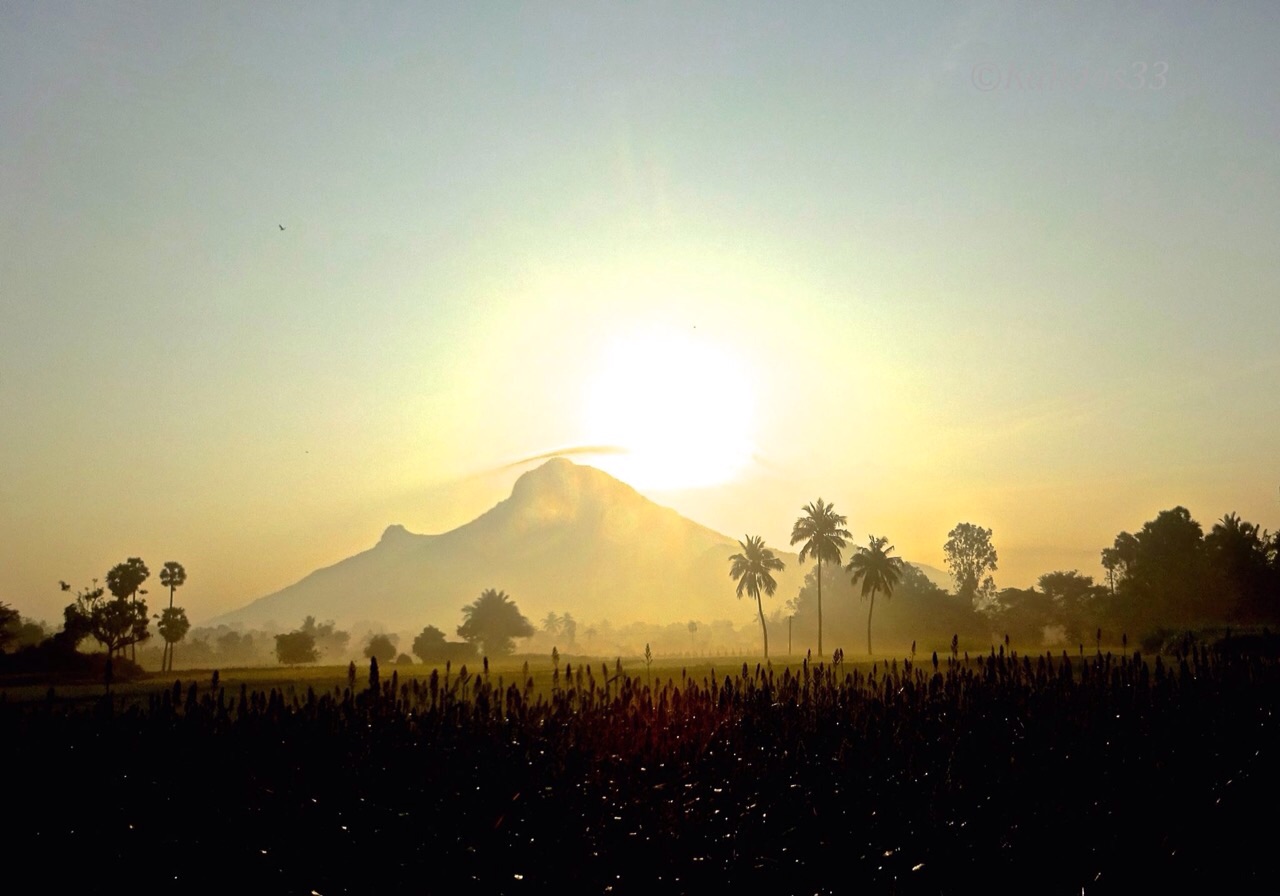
1167 578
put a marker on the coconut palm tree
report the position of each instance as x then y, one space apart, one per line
824 535
751 570
878 572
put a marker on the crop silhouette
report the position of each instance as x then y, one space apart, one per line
1062 771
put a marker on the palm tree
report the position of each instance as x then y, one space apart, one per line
172 576
551 623
824 535
173 628
878 572
750 569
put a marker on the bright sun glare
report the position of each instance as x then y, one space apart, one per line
682 408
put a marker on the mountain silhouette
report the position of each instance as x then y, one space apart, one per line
569 538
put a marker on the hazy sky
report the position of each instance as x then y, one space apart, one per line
1012 264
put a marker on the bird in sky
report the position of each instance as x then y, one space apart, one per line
281 226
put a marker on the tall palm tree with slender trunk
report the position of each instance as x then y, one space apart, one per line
878 572
751 570
172 576
824 535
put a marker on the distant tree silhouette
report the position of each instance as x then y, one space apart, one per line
492 621
173 627
9 622
380 647
551 623
429 644
124 580
296 648
971 558
824 535
1118 559
1241 562
1073 600
114 623
752 569
569 628
172 576
877 571
1167 580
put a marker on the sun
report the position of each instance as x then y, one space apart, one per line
680 409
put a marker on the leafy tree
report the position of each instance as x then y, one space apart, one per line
1240 558
9 622
492 621
1167 581
114 623
971 558
1074 602
381 647
20 632
878 572
429 644
752 569
173 628
824 535
296 648
124 580
329 641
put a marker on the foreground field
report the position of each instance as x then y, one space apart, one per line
1094 776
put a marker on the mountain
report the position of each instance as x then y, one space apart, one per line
570 538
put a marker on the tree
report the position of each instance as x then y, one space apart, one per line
751 570
9 622
824 535
1240 560
878 572
971 558
296 647
173 628
1074 601
569 628
429 645
381 647
124 581
172 576
492 621
114 623
1167 579
551 623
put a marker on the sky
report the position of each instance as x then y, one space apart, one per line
276 276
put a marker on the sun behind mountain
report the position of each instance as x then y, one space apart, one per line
681 407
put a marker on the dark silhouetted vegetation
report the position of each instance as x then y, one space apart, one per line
492 622
822 535
971 558
753 569
877 571
1054 774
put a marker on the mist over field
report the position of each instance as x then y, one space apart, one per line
640 448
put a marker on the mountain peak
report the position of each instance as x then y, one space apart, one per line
395 534
560 479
